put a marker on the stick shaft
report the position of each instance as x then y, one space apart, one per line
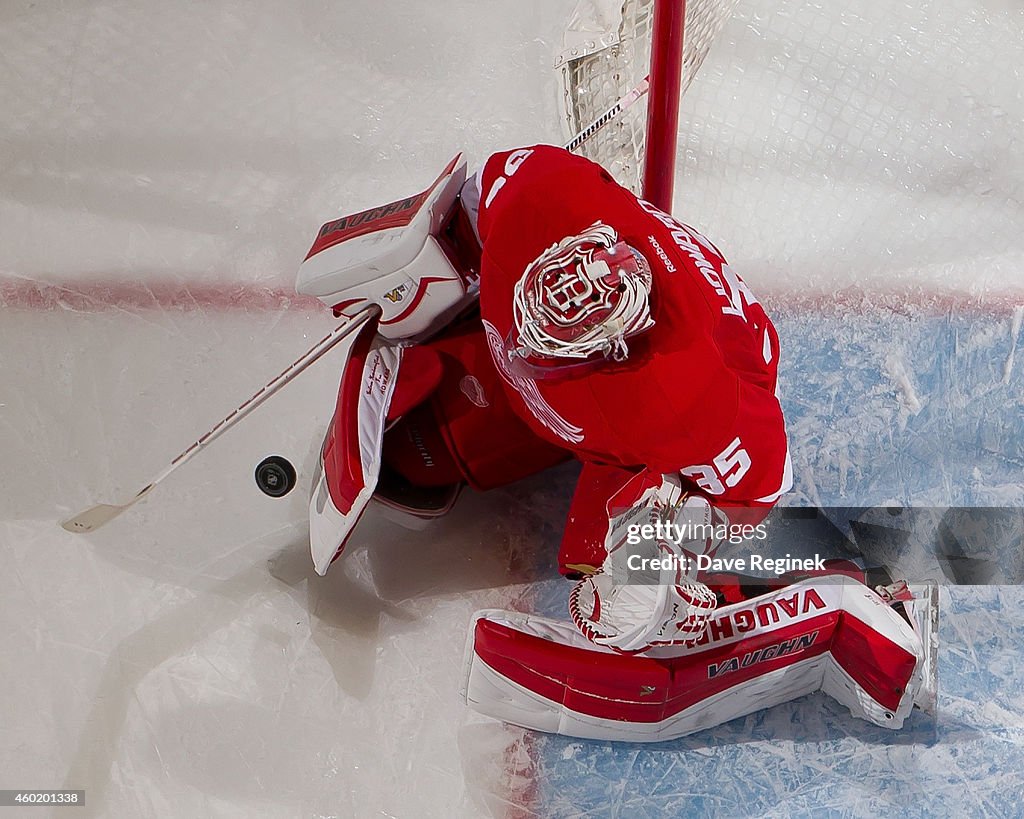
599 123
318 350
96 516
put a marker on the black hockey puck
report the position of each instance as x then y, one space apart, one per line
275 476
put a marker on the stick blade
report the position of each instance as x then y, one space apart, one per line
92 519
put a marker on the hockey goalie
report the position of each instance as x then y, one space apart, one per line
538 312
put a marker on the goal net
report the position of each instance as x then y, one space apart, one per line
606 53
866 141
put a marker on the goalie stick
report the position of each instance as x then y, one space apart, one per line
96 516
620 106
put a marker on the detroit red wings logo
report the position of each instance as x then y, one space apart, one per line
474 391
528 389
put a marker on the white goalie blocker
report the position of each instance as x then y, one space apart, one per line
829 634
398 258
394 256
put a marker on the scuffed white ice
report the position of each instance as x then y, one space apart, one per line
165 164
185 659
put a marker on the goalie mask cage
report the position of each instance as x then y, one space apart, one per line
609 47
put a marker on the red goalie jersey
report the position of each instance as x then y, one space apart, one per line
607 331
610 332
696 393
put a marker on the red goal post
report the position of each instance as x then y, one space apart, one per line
663 102
609 46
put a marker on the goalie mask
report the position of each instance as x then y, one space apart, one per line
584 295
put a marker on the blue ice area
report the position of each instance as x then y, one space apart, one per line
886 409
810 758
915 407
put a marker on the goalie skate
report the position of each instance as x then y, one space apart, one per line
923 612
918 604
412 507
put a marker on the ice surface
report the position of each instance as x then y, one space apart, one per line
810 758
185 660
164 170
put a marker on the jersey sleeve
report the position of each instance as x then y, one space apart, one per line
743 457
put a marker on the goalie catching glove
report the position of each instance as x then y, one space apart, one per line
646 593
632 618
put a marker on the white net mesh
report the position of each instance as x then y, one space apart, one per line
866 141
607 53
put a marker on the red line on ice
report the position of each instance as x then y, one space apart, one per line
102 295
99 296
917 302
